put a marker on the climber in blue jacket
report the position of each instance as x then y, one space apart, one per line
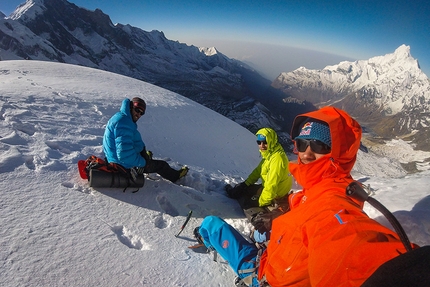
123 144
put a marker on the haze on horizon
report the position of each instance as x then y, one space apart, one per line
280 36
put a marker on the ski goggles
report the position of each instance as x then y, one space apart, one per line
261 142
139 107
316 146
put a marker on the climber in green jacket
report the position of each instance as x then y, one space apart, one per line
276 180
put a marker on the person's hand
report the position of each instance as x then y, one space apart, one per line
237 191
149 153
133 173
140 170
262 221
241 186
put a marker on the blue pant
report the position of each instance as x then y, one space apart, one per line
230 244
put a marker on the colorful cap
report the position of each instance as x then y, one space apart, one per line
315 131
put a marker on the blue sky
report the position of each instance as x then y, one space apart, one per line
280 36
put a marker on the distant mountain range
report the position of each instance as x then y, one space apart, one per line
56 30
389 94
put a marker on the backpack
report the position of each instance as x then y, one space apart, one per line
100 173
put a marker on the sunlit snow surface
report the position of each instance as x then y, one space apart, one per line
57 231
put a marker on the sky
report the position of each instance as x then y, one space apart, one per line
58 231
280 36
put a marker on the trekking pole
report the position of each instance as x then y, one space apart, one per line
185 223
356 191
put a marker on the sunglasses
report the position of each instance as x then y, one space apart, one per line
316 146
261 142
139 111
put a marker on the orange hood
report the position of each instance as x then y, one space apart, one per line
345 138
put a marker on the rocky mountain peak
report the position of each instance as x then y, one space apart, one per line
403 51
389 93
28 10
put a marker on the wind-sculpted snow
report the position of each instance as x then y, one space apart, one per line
57 231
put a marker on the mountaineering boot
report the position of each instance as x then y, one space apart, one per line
200 246
228 187
197 235
183 171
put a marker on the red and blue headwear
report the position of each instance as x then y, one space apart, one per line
315 131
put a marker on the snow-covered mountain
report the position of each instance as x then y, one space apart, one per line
58 231
56 30
390 93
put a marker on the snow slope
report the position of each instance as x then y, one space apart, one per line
57 231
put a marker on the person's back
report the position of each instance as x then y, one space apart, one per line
326 239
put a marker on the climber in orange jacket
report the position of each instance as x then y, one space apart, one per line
325 239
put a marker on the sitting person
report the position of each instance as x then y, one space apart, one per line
123 145
276 180
325 239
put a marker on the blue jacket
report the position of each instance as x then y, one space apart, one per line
122 142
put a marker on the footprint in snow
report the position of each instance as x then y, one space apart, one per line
191 194
29 162
160 222
129 239
67 184
166 206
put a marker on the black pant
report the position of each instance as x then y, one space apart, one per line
163 169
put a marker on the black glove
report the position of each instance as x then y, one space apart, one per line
140 170
147 155
262 221
237 191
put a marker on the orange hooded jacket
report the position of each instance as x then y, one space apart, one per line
326 239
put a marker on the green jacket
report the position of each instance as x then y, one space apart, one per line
272 169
